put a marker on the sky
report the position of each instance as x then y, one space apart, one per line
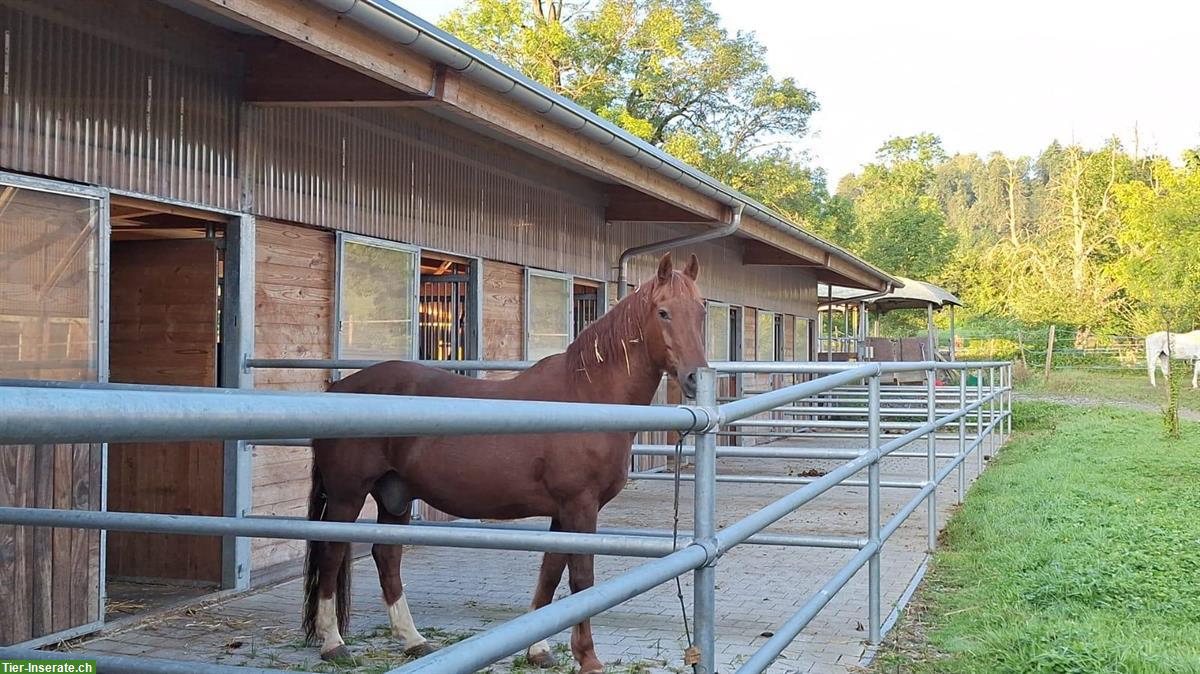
984 76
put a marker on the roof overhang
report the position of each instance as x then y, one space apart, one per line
910 295
378 42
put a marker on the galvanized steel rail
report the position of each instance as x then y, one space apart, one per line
36 412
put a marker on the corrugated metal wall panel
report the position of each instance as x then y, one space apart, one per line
723 277
407 176
147 105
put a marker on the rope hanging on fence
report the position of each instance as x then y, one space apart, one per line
690 654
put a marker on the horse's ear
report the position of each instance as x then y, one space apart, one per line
665 268
693 267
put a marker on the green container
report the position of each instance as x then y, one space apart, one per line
972 380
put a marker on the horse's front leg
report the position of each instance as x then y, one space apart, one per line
549 576
582 518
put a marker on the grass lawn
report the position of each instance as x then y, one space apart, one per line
1078 550
1107 385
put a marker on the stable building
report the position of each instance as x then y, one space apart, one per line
187 184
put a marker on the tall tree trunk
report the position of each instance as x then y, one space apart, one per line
1012 183
1078 226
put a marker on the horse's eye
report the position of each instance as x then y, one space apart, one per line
662 313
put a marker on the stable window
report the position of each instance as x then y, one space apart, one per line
800 340
779 338
765 342
10 341
548 309
376 299
735 333
49 271
717 329
446 308
587 298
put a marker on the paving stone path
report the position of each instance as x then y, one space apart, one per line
455 593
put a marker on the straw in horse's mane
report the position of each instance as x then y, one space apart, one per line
611 337
614 336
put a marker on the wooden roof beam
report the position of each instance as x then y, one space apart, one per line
846 273
757 252
281 74
626 204
322 32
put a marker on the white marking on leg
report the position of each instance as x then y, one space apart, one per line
327 625
403 627
540 649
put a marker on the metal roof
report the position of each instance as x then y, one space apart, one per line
392 21
912 295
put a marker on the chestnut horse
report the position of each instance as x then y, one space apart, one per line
567 477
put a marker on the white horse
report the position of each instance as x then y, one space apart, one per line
1182 346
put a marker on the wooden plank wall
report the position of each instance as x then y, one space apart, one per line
293 305
163 331
49 578
503 312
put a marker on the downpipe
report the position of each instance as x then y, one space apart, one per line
728 229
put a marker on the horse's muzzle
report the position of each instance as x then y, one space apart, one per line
688 384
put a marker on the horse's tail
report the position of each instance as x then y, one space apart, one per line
312 565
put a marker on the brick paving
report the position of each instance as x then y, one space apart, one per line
454 593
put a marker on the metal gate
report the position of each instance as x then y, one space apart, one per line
587 307
444 318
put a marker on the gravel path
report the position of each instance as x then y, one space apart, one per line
1084 401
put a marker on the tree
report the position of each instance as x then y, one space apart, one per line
899 224
1161 238
667 71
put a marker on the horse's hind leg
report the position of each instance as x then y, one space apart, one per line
332 581
549 576
387 561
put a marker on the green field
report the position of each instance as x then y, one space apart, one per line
1077 551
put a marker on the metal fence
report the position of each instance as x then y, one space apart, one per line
1065 348
837 399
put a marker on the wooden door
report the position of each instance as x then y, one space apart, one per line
164 331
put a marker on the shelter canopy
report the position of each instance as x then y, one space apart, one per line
911 295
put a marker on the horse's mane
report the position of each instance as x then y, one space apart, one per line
613 337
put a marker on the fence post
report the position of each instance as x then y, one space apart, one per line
874 621
962 434
1049 351
993 434
979 441
1008 395
704 524
237 344
931 469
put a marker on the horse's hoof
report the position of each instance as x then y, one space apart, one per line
340 653
545 659
420 650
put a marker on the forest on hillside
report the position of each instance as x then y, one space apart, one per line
1096 239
